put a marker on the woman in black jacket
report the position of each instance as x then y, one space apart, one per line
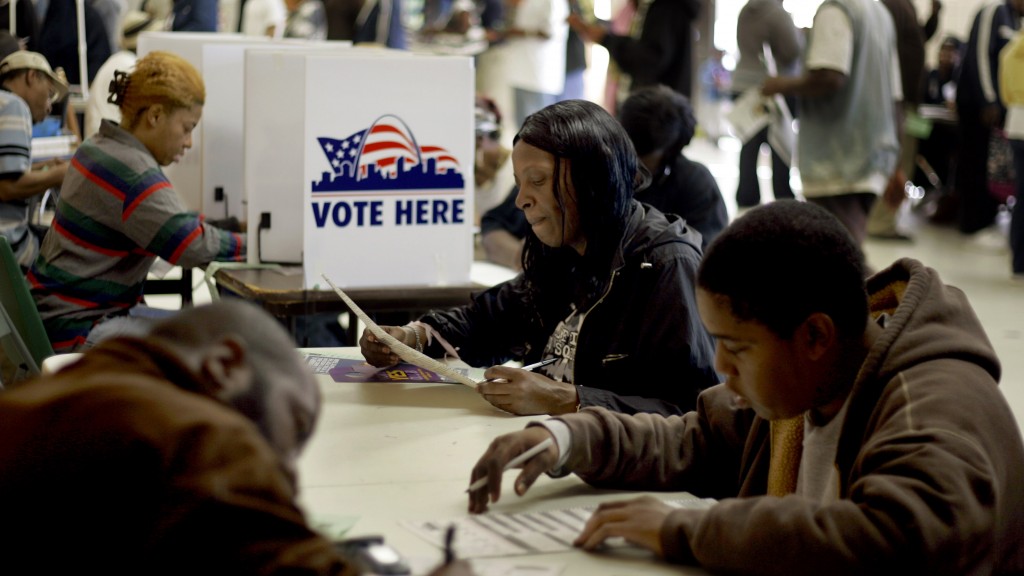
606 288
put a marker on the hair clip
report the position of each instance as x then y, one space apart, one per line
118 86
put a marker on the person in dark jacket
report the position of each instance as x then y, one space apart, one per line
26 24
366 22
659 49
195 16
607 286
660 123
980 110
58 40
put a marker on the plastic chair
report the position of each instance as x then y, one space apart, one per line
20 312
15 351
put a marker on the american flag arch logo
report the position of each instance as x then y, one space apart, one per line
386 156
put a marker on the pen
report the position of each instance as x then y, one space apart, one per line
449 548
518 460
529 367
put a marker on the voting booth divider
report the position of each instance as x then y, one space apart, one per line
187 175
209 177
355 162
359 165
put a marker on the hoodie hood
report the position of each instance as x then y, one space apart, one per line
927 320
658 228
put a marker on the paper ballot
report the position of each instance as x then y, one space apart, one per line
750 113
404 352
497 534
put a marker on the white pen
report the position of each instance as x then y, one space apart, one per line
529 367
547 443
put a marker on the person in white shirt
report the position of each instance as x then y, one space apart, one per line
848 144
264 18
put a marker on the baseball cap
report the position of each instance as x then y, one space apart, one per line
25 60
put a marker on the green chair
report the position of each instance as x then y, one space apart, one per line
25 340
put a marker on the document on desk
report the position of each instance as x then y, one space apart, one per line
342 369
404 352
496 534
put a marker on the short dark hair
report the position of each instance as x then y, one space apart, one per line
269 346
953 42
603 171
782 262
657 117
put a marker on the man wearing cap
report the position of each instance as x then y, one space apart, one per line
29 89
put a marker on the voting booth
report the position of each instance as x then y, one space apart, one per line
359 165
187 174
209 176
223 192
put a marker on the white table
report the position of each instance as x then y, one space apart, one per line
386 452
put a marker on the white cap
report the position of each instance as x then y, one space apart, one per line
25 60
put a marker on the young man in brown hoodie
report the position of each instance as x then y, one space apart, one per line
859 430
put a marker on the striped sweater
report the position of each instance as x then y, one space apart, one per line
117 213
15 144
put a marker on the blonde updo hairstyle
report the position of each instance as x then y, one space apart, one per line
158 78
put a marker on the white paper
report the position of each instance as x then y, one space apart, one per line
781 131
499 535
750 114
399 348
422 566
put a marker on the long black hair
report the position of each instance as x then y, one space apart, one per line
602 167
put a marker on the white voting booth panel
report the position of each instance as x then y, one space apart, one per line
187 175
362 177
223 159
275 149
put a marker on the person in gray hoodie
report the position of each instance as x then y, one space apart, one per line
860 428
760 23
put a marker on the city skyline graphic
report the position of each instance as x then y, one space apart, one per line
386 156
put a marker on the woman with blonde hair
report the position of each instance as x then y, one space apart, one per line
118 212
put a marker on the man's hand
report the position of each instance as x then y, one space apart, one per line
502 450
639 521
523 392
379 354
772 85
58 170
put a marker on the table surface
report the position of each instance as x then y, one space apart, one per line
387 452
281 291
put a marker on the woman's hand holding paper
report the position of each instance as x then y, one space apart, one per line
379 354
